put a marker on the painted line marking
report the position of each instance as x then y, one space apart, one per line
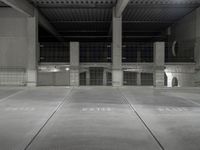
20 109
64 100
12 95
96 109
172 109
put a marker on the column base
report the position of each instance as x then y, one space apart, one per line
31 78
197 78
117 78
74 77
138 79
159 78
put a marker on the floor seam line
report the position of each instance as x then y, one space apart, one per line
49 118
143 122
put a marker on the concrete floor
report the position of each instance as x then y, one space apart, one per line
99 118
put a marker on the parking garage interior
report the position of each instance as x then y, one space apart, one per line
99 74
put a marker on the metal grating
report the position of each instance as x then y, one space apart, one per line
64 3
95 52
109 78
137 52
147 79
96 76
73 19
82 79
163 2
54 52
77 14
130 78
157 14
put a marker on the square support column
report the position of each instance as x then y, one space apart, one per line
104 77
138 78
74 63
159 60
32 43
117 75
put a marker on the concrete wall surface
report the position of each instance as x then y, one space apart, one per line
183 73
18 38
13 39
187 32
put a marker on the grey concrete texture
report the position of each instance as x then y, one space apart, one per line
171 114
99 118
22 115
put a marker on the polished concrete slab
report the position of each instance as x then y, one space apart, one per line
99 118
95 119
170 114
6 92
22 115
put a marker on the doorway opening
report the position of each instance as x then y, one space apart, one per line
174 82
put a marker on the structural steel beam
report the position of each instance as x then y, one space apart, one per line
120 6
27 9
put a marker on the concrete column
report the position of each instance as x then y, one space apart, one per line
104 77
88 77
117 75
32 44
74 63
159 60
139 78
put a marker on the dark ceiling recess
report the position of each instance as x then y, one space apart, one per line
85 20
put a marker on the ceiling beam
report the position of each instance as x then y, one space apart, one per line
107 36
21 6
120 6
46 25
126 22
28 10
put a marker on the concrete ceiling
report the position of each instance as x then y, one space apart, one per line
80 19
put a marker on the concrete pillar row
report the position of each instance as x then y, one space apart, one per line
33 48
117 74
74 63
159 61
